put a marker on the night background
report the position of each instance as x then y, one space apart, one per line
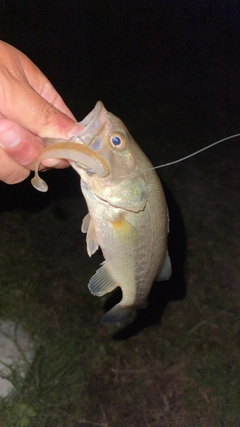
170 71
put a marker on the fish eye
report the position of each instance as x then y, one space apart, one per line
118 140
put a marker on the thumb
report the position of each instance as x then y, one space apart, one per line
29 99
29 109
21 145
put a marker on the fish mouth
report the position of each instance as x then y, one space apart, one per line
77 150
92 123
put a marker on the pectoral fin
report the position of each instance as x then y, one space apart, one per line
166 270
102 282
91 239
85 223
124 231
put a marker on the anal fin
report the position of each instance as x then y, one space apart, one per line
101 282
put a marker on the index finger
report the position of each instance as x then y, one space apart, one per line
29 109
28 98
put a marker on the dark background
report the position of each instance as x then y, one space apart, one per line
169 69
131 53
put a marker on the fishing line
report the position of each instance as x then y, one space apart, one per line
193 154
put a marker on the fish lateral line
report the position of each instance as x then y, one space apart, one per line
190 155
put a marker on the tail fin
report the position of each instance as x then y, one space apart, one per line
116 314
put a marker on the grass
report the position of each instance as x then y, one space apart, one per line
180 367
183 372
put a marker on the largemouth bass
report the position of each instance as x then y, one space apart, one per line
127 217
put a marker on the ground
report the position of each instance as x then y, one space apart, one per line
178 363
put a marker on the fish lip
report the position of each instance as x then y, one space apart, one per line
92 124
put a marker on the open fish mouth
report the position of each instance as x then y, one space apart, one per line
92 123
76 150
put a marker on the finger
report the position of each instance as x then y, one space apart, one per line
37 115
28 98
42 85
22 146
10 171
47 91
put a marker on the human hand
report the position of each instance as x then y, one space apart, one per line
30 109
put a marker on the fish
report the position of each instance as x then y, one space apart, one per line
127 212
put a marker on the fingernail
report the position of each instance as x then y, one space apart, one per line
10 138
50 163
76 130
